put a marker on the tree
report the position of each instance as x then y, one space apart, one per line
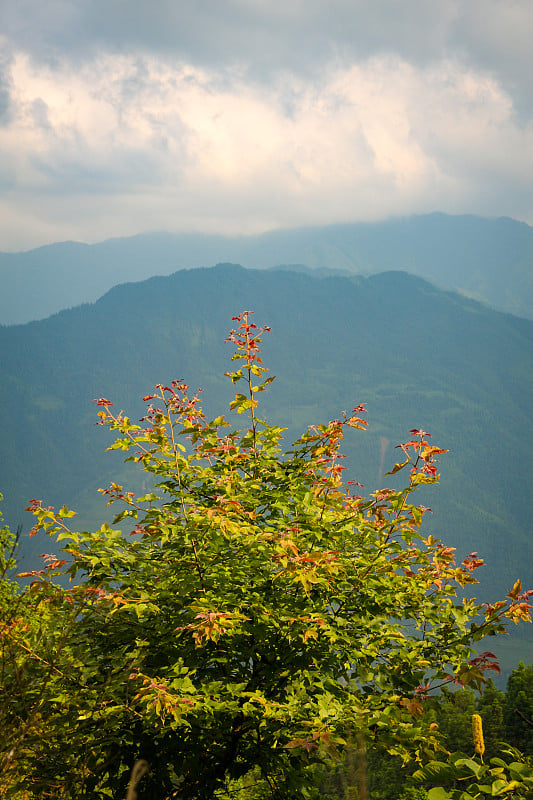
36 658
518 708
259 611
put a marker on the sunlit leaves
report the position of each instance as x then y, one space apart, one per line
466 778
255 610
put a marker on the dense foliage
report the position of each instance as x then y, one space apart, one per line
258 614
504 715
417 355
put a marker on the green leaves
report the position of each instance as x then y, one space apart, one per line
257 611
242 403
467 778
438 793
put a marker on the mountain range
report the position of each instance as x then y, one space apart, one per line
487 259
417 355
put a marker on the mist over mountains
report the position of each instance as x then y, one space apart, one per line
487 259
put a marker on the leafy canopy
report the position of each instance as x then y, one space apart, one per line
258 611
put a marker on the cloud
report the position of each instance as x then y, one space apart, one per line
241 115
279 34
5 87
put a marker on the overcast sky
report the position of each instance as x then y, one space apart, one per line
239 116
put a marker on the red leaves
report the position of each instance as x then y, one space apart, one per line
354 421
418 444
485 661
242 316
429 469
116 493
318 739
472 562
491 609
246 340
52 561
164 388
424 452
32 574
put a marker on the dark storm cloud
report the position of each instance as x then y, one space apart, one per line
263 37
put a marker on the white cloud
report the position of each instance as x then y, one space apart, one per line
128 143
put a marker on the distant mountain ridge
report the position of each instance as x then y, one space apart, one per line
490 260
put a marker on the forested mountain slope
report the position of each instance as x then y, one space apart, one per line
488 259
418 356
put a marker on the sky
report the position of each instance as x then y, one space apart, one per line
238 116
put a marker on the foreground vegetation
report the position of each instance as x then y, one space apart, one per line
259 623
420 357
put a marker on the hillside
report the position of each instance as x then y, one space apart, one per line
418 356
488 259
